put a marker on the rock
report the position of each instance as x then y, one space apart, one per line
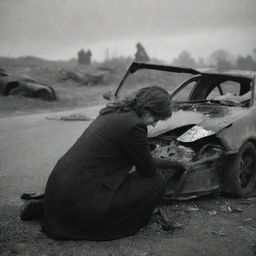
193 208
213 212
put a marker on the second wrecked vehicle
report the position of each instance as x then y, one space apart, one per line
16 84
211 137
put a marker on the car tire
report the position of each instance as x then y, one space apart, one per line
241 177
42 94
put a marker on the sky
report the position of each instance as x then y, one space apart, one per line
58 29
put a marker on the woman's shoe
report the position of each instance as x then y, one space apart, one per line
32 210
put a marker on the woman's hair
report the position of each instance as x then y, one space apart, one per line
153 99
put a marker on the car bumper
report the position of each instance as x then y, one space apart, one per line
197 178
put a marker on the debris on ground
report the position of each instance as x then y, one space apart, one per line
161 221
248 200
84 77
219 232
237 209
247 230
254 249
248 219
193 208
225 208
213 212
171 226
72 117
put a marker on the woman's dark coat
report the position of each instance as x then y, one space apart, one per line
91 182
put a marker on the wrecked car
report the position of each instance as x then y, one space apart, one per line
88 77
208 145
15 84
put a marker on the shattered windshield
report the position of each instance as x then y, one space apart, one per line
215 90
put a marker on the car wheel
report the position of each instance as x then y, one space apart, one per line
242 173
42 94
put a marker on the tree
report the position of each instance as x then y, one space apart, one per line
184 59
84 58
254 54
221 59
200 63
246 63
141 54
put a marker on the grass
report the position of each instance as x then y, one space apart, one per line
69 98
70 94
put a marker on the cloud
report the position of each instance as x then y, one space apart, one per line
56 28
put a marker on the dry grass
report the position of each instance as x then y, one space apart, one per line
69 97
70 94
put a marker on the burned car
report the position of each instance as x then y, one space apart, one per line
15 84
89 77
209 143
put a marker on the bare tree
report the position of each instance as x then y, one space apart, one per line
246 63
141 54
221 59
184 59
84 58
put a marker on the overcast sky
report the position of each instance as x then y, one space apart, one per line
57 29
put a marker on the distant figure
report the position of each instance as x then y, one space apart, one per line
141 54
84 58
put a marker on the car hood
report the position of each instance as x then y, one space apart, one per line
205 120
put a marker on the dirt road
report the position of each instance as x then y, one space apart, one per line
30 146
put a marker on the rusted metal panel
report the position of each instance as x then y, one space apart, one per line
209 120
178 119
240 131
197 178
196 173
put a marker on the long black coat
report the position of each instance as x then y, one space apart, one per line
82 186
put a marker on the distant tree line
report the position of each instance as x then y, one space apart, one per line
222 59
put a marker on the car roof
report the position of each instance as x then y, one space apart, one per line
237 73
203 71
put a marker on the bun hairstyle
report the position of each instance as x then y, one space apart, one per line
153 99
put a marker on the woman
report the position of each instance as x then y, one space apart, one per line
93 192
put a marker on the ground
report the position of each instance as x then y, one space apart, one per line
31 145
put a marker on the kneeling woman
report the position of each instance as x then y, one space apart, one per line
92 193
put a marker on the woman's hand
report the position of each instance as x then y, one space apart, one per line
166 163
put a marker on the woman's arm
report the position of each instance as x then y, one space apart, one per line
166 163
136 145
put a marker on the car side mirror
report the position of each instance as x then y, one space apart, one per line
108 95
